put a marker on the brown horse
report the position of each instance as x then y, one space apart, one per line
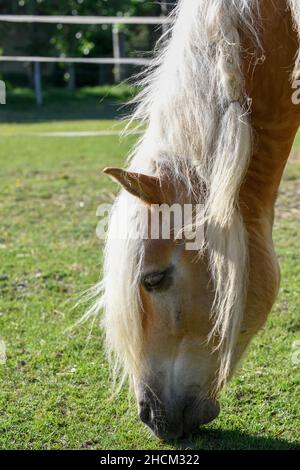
220 124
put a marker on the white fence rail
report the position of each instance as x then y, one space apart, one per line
78 60
86 19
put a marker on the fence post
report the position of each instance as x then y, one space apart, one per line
37 83
72 78
119 51
2 92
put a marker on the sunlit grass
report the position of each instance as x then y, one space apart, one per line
54 389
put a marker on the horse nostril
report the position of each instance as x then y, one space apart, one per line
196 416
144 412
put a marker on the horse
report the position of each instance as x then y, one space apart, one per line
218 126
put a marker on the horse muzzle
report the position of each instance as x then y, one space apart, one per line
177 418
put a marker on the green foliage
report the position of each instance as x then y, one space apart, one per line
77 40
66 40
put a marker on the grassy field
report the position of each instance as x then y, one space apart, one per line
54 386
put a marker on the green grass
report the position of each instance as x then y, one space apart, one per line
54 387
61 104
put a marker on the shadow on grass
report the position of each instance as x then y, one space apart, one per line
208 439
107 102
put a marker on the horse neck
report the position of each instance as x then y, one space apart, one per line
274 118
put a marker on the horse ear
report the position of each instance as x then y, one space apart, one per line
147 188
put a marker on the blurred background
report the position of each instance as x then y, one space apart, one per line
36 54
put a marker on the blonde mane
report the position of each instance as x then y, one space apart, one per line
195 109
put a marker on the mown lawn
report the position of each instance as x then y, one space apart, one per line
54 386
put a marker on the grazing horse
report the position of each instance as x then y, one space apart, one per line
219 124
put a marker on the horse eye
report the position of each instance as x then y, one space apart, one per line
153 280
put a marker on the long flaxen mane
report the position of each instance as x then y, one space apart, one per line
196 111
